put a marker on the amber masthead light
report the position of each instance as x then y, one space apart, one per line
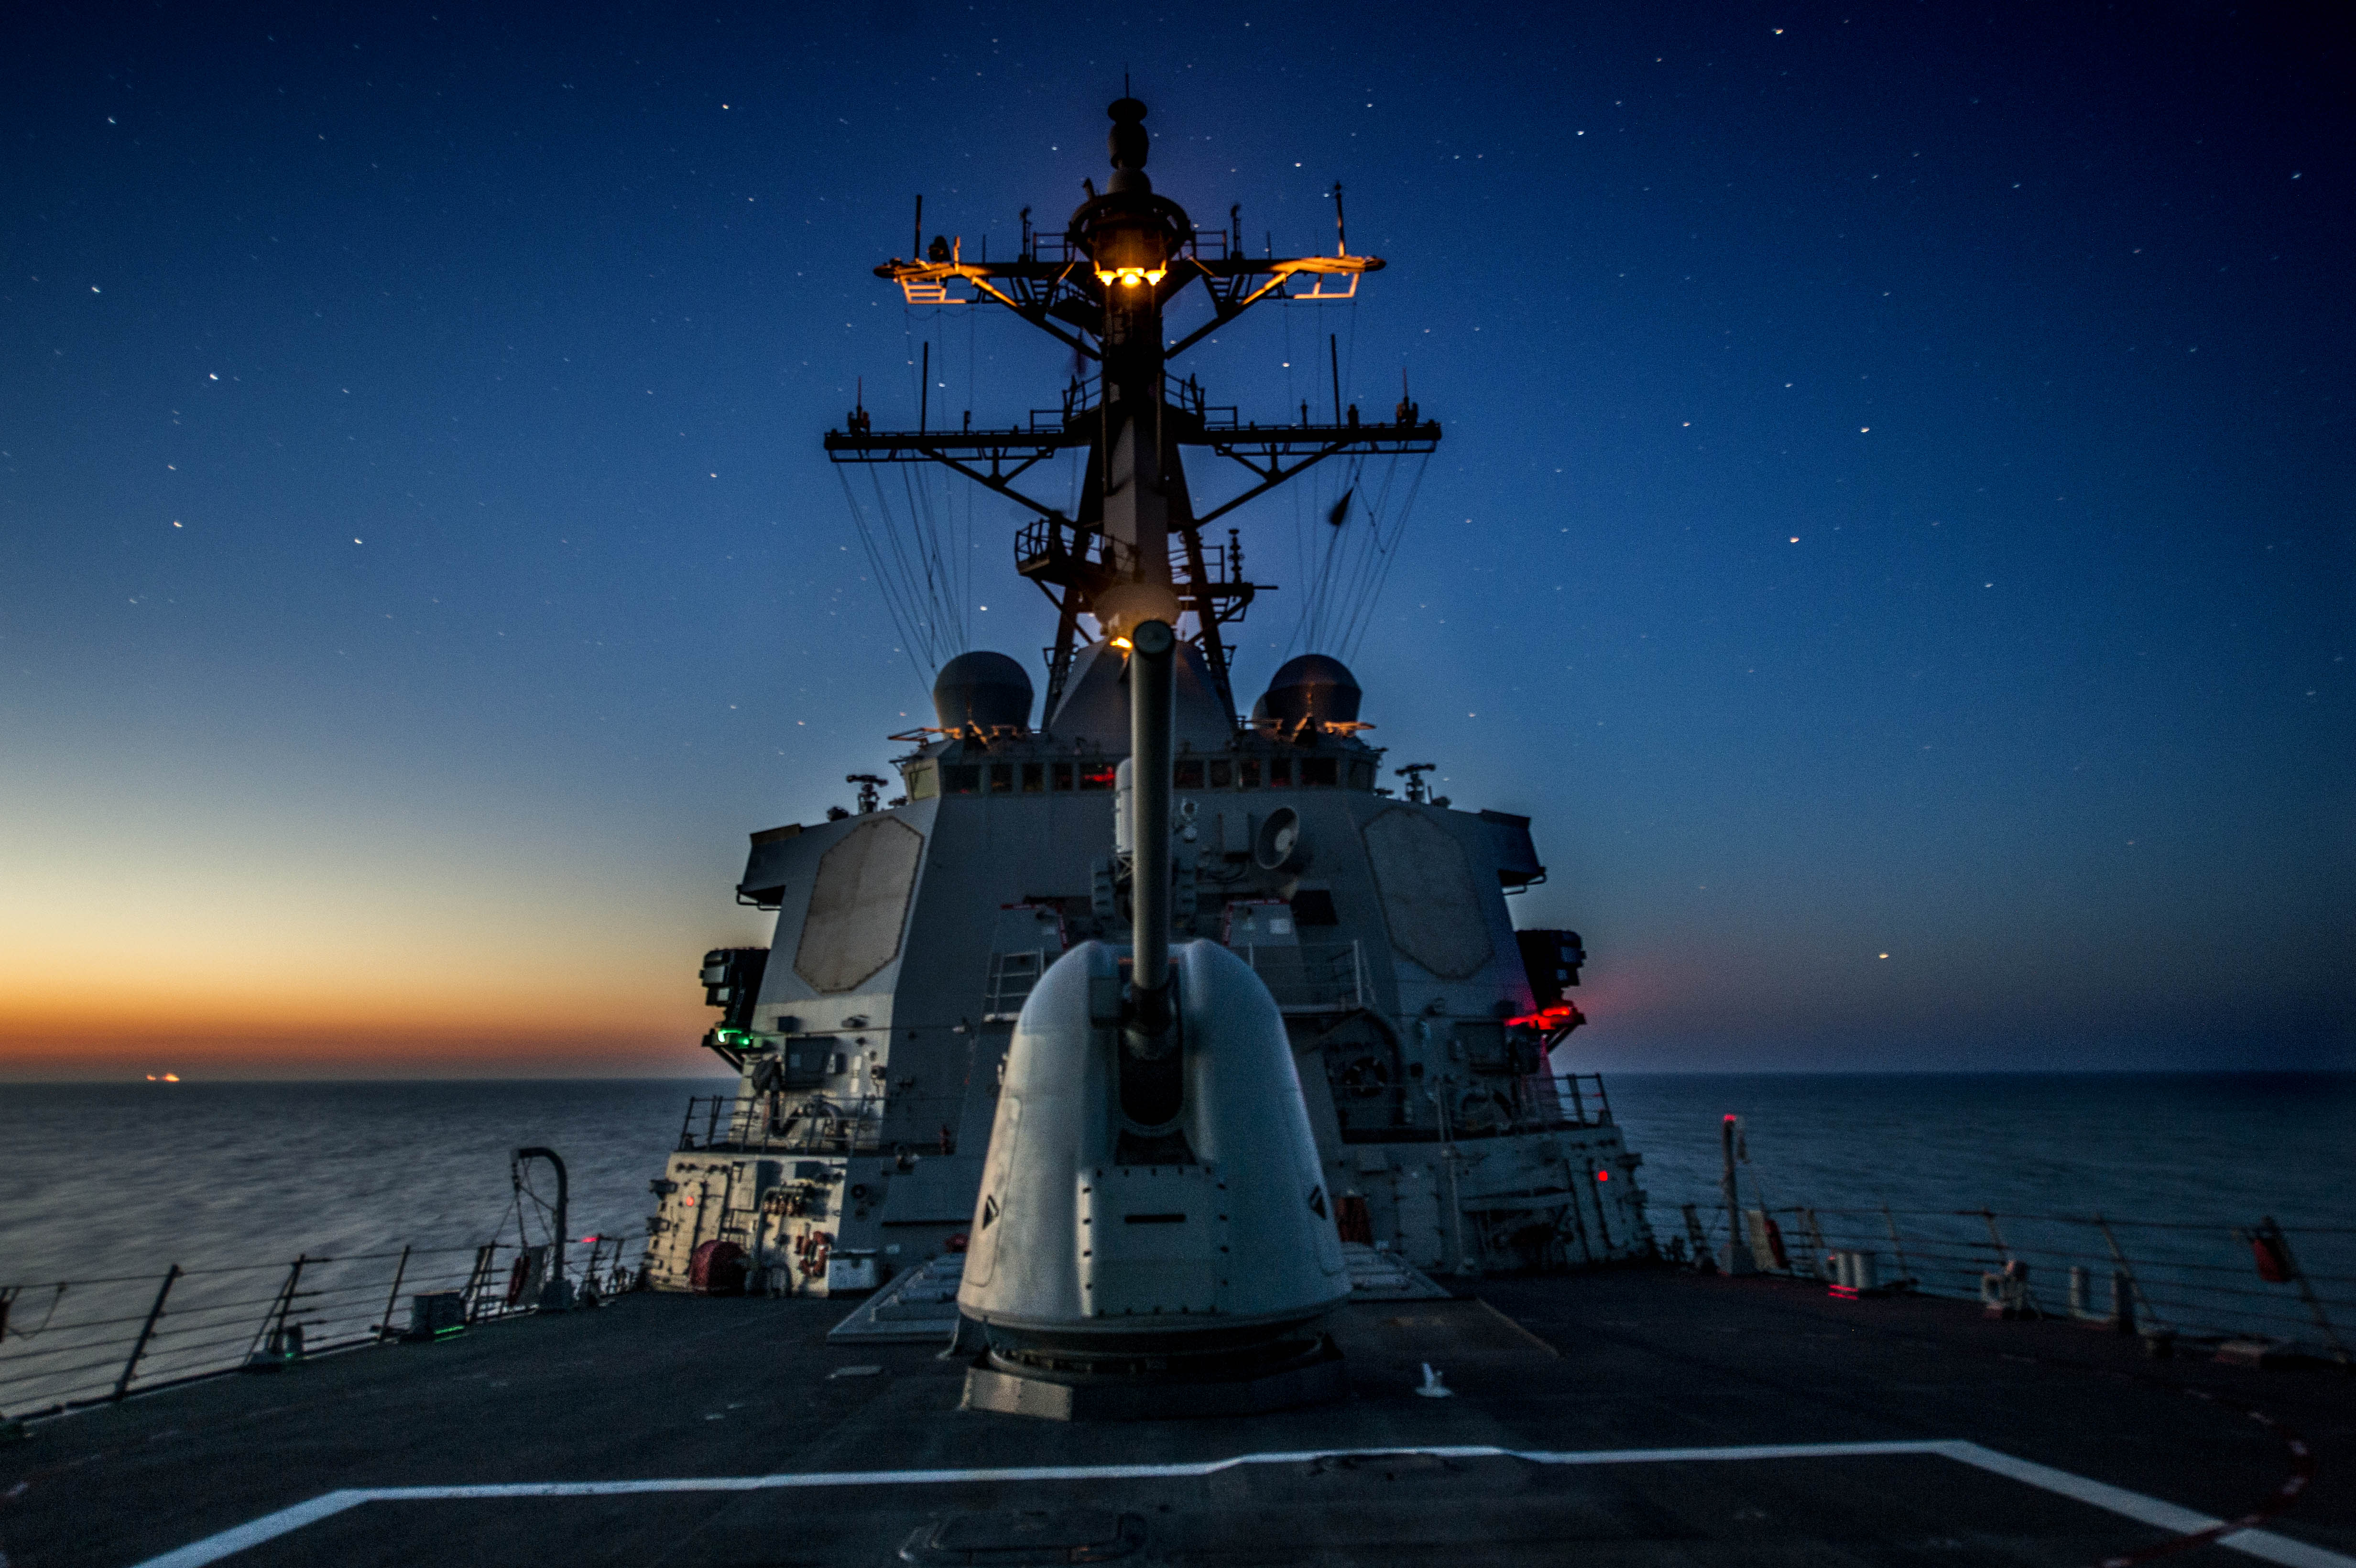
1130 255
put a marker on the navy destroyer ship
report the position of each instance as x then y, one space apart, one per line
871 1036
957 1034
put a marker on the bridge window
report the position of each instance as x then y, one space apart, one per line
1321 773
1222 772
1002 778
1279 772
1061 774
1095 776
1189 775
1035 778
1362 775
1247 773
961 778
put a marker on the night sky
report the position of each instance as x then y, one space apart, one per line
1893 532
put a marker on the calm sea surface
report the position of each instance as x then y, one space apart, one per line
109 1179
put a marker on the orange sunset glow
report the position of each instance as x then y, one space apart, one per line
259 937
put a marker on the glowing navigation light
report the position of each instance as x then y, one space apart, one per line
1130 277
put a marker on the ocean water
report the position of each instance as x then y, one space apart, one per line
2228 1147
112 1178
1946 1177
122 1179
118 1182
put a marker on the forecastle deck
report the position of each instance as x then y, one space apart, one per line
1635 1416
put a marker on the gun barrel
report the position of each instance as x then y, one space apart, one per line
1152 673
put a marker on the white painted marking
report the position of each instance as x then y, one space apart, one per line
2260 1543
269 1527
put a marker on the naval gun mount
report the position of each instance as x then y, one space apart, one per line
1153 1235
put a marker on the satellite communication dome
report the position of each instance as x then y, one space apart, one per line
1314 686
983 688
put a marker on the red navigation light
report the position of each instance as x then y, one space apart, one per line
1603 1175
1554 1018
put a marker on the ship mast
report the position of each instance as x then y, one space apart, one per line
1134 552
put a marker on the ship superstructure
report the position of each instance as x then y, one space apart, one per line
869 1038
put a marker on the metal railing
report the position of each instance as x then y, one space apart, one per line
1204 244
2166 1279
726 1124
1009 986
1313 977
1561 1100
67 1344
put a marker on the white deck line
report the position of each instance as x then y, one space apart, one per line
2260 1543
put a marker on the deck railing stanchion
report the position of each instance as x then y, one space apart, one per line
1897 1242
1995 1239
265 1338
472 1292
392 1301
146 1332
2143 1314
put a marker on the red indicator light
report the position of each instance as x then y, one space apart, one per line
1603 1175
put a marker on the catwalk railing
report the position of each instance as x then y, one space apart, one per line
1542 1101
776 1124
70 1343
2160 1278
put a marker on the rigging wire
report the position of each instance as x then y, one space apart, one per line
1361 548
919 545
1363 620
889 582
933 540
1367 562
